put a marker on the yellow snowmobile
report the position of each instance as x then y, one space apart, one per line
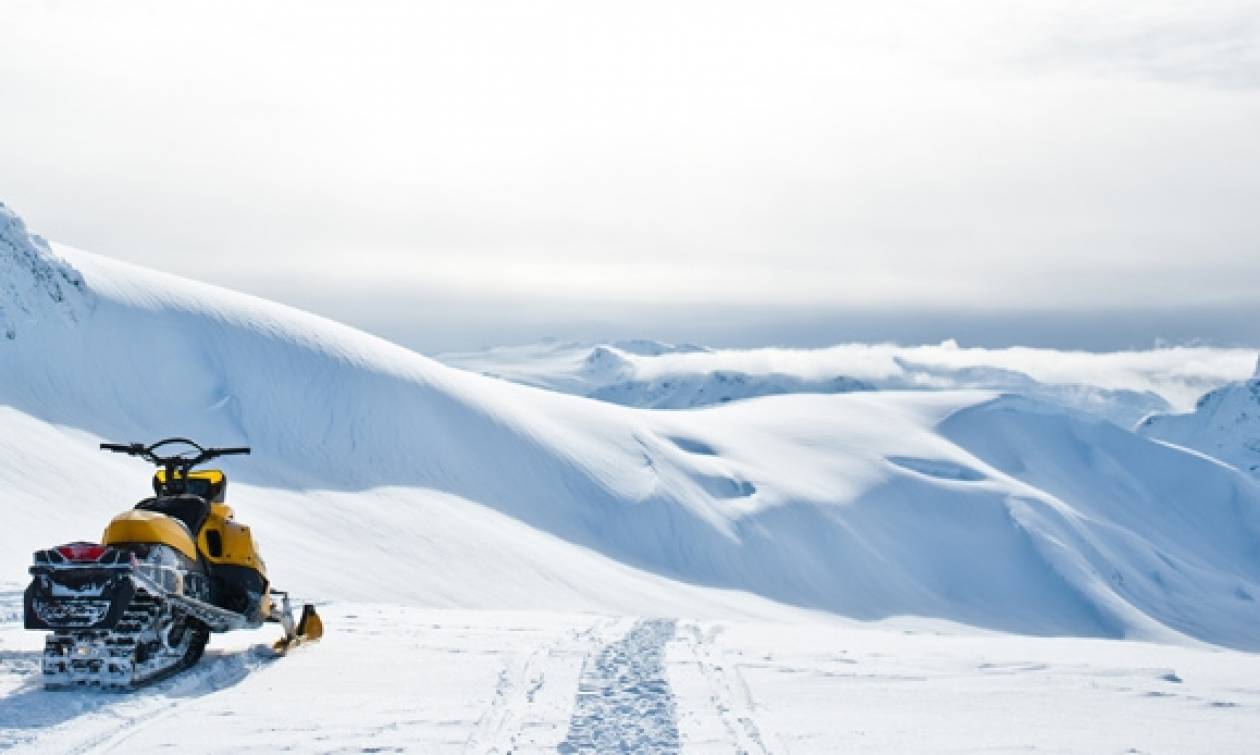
141 604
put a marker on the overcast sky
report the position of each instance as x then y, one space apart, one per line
451 174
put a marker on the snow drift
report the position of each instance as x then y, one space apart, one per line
381 473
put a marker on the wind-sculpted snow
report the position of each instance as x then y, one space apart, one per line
379 474
1156 526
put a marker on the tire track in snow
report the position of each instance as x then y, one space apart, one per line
624 702
498 729
518 682
728 691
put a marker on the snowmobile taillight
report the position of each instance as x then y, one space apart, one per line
81 552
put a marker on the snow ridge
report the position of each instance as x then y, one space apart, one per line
34 282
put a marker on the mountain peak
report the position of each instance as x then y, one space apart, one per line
34 281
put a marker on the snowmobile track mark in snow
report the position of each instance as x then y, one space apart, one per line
728 692
519 679
498 729
624 701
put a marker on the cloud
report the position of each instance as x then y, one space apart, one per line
1178 374
1022 157
1217 45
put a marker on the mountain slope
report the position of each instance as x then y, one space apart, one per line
1225 424
380 473
34 282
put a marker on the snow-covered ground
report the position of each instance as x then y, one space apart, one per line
1123 387
507 568
404 679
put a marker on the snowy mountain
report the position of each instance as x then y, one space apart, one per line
777 497
720 387
501 541
614 372
1225 424
1122 387
34 282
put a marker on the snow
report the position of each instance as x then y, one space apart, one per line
34 282
407 679
810 688
1225 424
624 702
720 387
507 568
1123 387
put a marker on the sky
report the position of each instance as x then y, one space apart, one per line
457 174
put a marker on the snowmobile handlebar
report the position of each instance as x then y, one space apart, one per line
178 461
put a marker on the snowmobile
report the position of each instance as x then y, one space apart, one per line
140 605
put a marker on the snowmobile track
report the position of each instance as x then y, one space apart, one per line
624 701
498 730
728 692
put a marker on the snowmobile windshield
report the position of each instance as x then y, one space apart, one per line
210 485
197 487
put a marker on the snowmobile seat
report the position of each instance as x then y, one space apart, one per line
190 509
